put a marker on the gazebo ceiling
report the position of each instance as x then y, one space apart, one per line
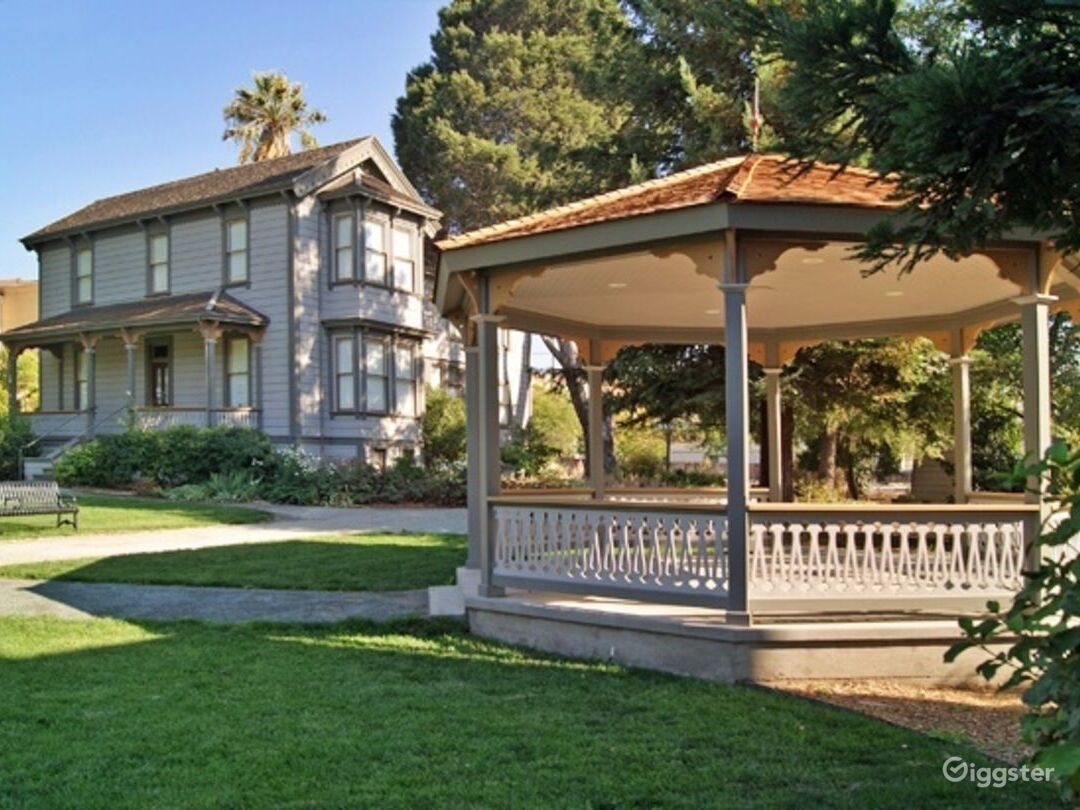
643 264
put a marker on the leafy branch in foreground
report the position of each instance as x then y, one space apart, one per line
1042 627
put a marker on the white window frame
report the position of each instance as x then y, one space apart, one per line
410 240
345 379
232 374
232 250
87 276
159 263
413 380
383 254
385 376
346 273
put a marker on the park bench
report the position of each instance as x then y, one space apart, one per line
37 498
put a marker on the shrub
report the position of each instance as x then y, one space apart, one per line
640 452
186 492
1043 630
443 427
169 458
15 435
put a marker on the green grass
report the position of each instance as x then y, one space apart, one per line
108 714
105 513
357 562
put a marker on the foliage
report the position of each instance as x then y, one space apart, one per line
1044 620
15 436
443 427
967 117
172 457
665 384
26 382
641 452
264 117
553 423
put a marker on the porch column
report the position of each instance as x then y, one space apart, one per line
13 380
256 339
472 451
737 417
487 428
131 345
774 422
89 347
595 374
210 333
961 393
1034 320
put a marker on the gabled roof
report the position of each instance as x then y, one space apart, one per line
191 308
744 179
301 173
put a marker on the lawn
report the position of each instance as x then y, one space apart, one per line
103 713
105 513
354 562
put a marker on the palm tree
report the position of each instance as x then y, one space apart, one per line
262 119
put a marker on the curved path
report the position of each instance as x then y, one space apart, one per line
290 523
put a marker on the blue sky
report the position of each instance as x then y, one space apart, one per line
106 97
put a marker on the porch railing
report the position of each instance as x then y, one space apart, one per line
158 418
883 556
633 551
56 424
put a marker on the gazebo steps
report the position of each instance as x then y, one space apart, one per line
700 642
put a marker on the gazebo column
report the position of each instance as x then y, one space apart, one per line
1034 320
487 430
595 374
211 333
472 452
737 418
774 422
960 364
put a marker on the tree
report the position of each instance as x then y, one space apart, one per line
443 428
522 106
967 117
263 118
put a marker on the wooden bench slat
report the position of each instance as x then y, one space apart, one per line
18 498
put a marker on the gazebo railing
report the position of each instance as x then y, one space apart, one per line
879 557
669 553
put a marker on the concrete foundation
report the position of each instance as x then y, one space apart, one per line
701 643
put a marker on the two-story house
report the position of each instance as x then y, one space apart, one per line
287 295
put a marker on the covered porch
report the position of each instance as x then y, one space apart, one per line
747 254
190 359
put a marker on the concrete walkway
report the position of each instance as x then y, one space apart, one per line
290 523
80 600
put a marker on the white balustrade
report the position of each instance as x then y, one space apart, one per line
670 554
160 418
870 555
237 417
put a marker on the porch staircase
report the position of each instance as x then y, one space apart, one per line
50 447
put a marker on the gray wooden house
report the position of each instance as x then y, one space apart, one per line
290 296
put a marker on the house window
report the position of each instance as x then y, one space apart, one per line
236 251
404 260
238 372
375 253
344 373
159 263
344 228
453 378
159 374
82 379
376 373
405 379
84 276
377 458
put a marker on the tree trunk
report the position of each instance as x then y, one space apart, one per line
827 456
851 474
524 381
566 353
764 478
787 444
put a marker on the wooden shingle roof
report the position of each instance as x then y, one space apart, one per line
744 179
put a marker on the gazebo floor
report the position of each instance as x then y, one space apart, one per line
701 642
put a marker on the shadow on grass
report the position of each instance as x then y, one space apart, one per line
351 563
420 714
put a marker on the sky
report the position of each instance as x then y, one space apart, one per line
106 97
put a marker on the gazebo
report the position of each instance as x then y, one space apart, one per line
751 254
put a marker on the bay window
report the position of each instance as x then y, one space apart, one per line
405 379
376 373
344 229
375 264
344 373
404 260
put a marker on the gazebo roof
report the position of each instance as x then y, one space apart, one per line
744 179
642 264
